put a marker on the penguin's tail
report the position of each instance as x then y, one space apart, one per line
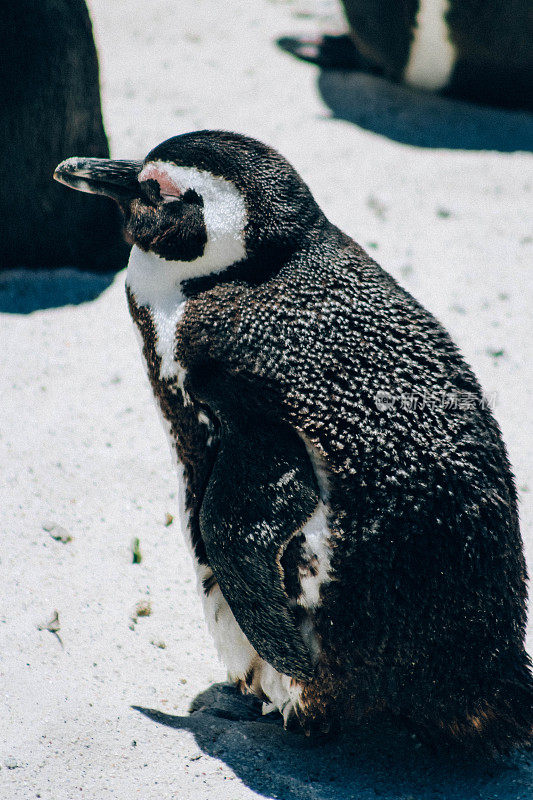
501 722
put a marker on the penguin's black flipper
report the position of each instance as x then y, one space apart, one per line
261 492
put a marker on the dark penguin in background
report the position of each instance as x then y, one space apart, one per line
476 51
348 501
50 108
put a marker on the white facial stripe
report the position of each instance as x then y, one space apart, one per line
224 215
432 55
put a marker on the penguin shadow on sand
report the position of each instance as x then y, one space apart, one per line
421 118
377 759
23 291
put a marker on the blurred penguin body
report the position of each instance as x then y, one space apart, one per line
49 108
479 52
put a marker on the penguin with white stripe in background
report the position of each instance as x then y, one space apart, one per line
347 497
481 52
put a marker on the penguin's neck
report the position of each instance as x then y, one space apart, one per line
154 281
155 284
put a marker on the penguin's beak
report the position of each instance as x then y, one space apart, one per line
116 179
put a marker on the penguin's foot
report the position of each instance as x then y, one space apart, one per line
294 721
290 716
289 713
328 52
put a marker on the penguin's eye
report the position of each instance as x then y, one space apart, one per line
150 189
159 185
164 190
194 198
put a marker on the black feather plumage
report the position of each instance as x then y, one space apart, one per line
426 611
306 352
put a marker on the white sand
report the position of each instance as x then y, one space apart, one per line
81 445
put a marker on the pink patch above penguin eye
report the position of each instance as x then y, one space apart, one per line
167 187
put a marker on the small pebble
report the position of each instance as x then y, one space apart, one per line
57 532
169 519
143 609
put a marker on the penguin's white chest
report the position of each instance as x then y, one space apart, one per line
154 284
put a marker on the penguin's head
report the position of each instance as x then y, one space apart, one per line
207 200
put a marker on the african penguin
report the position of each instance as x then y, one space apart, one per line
480 52
50 108
348 501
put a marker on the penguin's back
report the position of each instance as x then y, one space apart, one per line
426 557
